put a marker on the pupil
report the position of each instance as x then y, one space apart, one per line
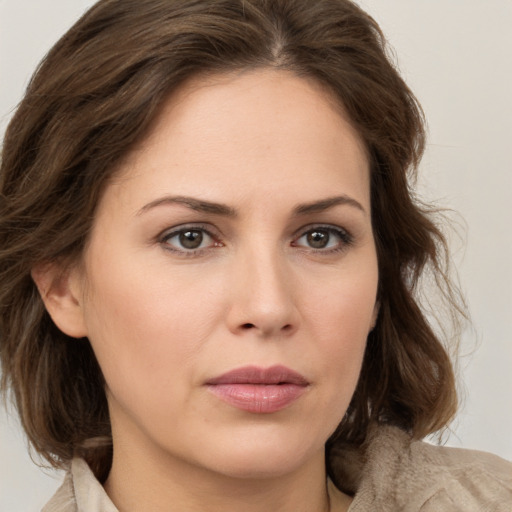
318 239
191 239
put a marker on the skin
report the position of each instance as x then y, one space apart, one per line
163 319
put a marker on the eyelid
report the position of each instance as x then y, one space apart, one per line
347 239
169 233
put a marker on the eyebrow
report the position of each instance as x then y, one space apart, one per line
326 204
192 203
226 211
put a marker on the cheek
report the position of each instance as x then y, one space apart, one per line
343 308
146 328
339 320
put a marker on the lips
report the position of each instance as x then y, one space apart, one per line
259 390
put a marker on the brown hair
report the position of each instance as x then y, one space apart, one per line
96 94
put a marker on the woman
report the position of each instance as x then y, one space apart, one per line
209 262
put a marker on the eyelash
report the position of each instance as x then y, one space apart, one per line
188 253
346 240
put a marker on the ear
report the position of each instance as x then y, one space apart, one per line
61 291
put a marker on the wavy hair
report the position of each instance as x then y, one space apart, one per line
94 97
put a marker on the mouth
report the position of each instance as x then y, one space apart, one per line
259 390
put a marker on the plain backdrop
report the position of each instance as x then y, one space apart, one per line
457 57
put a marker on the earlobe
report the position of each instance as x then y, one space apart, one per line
61 292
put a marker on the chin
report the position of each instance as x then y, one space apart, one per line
261 455
262 467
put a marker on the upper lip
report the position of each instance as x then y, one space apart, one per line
255 375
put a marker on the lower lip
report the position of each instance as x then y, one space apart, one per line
258 398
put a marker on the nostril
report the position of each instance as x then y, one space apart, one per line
287 328
247 326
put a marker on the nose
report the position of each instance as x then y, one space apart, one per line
263 295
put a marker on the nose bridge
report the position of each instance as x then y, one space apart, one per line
263 298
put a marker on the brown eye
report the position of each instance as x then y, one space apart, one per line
191 239
188 240
324 239
318 239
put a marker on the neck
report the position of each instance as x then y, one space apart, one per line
144 476
177 485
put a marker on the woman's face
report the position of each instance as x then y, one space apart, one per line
230 280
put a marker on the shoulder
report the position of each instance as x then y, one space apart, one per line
398 473
460 479
80 492
64 499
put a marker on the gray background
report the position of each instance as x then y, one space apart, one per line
457 57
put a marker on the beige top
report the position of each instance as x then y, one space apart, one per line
396 474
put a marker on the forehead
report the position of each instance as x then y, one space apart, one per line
257 128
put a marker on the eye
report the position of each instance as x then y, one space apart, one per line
188 240
324 238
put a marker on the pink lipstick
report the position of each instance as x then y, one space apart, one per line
259 390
